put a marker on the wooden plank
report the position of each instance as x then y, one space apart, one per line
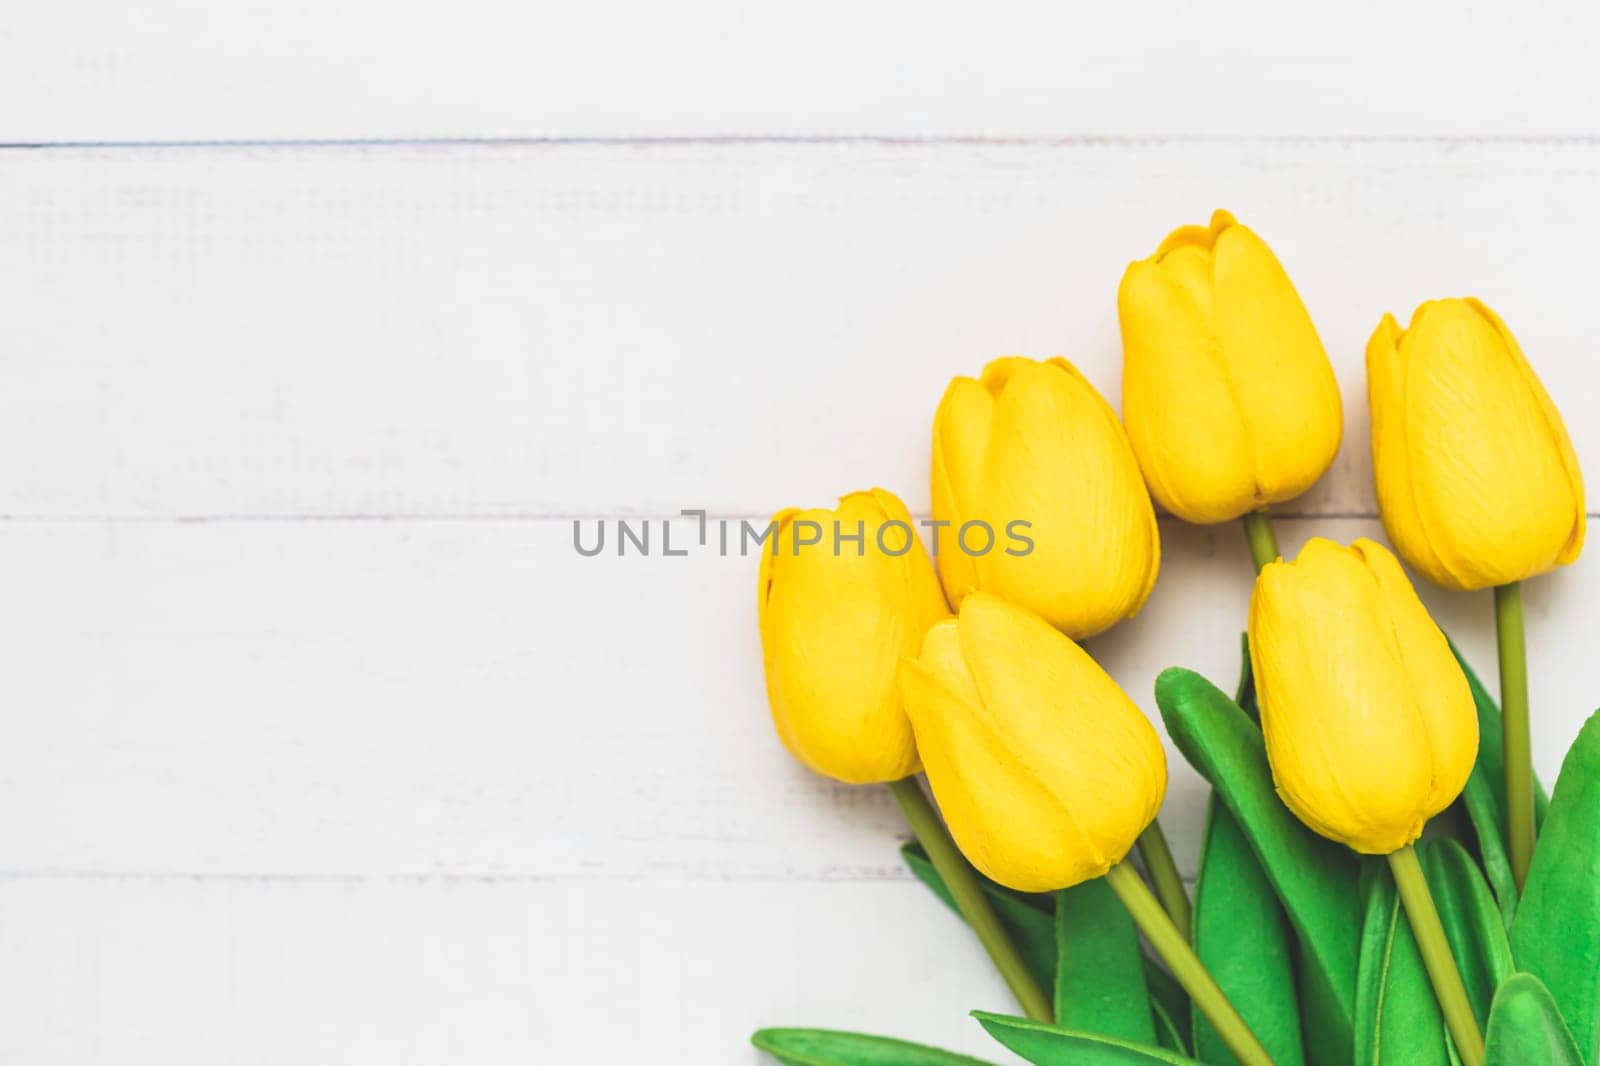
178 69
550 330
257 972
359 699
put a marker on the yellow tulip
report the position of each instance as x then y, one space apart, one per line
1228 396
1369 723
844 595
1045 771
1030 452
1477 479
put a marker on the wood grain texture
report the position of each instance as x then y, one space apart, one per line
95 70
324 745
259 973
427 699
547 330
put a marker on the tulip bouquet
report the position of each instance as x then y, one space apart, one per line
1370 890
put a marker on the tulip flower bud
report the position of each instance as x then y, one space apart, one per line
1045 771
1477 480
1370 726
1033 455
1228 396
844 595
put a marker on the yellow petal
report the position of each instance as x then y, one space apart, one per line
1058 459
1348 747
836 619
1280 374
1041 497
1196 236
982 802
769 559
1189 268
1066 725
1439 689
1228 396
1183 422
1391 453
923 591
1555 427
961 429
997 374
1492 482
944 661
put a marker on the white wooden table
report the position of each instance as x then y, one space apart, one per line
323 323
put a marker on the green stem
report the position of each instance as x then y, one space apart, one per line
1263 542
1447 986
969 898
1514 719
1187 967
1448 989
1164 877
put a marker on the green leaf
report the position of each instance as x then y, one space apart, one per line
1484 798
1031 930
1099 967
1240 930
1398 1022
1325 1026
1554 935
1525 1029
1244 939
1051 1045
1472 924
1168 1000
1314 878
829 1047
916 857
1246 695
1488 818
1491 744
1168 1035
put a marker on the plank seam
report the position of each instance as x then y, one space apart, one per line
1085 140
354 517
269 518
886 876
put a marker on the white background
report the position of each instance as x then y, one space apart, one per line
323 322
